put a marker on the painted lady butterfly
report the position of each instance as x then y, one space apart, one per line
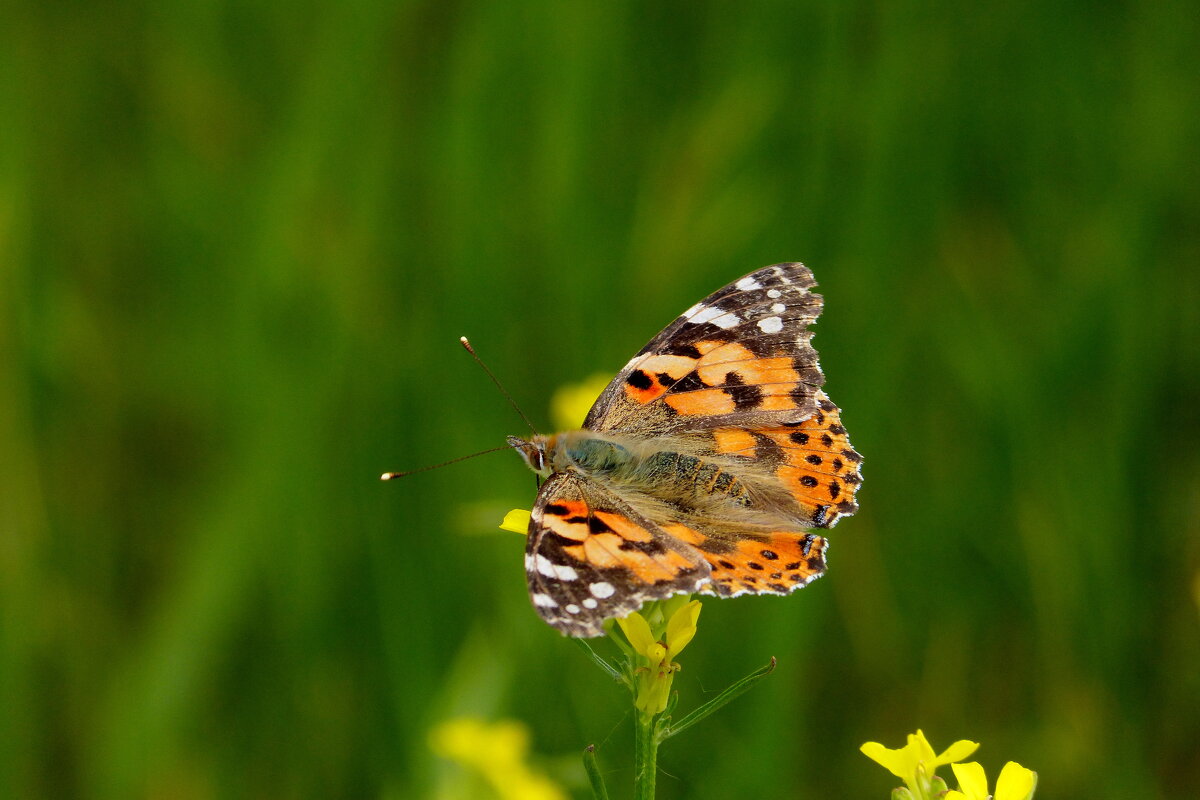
699 467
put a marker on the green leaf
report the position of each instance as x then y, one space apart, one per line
599 791
736 690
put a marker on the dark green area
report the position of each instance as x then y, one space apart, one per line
238 242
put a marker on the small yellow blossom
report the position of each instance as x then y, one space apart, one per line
516 521
654 685
570 404
916 762
497 751
1016 782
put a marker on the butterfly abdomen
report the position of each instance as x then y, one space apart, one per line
682 475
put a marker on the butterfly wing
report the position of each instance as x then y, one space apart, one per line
810 466
590 556
747 559
740 357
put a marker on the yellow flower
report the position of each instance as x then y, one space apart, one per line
1016 782
916 762
516 521
570 404
654 685
497 751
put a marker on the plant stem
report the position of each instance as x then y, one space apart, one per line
599 791
645 756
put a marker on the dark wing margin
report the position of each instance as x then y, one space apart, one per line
741 356
590 557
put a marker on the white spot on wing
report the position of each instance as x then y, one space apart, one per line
717 316
544 601
572 608
552 570
589 602
770 325
774 294
602 589
747 284
693 310
700 314
727 320
779 308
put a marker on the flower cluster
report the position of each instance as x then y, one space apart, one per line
658 650
916 764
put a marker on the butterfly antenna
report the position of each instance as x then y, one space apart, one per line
391 476
496 381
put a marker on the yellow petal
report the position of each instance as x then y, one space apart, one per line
654 693
1016 782
637 632
955 752
516 521
954 795
682 627
900 763
921 749
971 780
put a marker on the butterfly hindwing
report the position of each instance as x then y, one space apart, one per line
812 461
739 357
589 556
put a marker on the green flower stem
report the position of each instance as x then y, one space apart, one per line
645 764
599 790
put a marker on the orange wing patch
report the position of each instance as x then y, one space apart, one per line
780 563
702 402
734 441
607 539
655 376
820 469
729 377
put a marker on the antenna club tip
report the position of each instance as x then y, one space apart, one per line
387 476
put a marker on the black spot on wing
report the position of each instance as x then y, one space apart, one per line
639 380
744 396
688 383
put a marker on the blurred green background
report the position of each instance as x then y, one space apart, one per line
238 242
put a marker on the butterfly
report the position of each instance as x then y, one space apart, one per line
702 466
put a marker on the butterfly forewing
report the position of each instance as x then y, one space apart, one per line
741 356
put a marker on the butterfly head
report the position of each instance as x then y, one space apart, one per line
533 450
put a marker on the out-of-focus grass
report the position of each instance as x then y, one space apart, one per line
238 243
